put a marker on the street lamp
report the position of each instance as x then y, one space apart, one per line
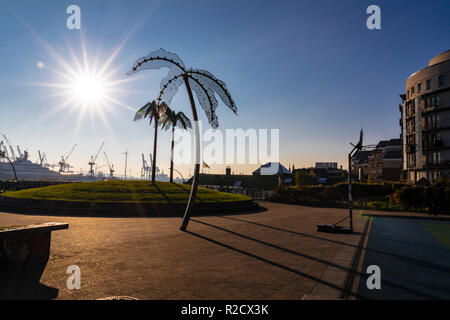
334 228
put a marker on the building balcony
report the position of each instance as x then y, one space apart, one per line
437 144
437 165
433 145
429 109
432 127
410 148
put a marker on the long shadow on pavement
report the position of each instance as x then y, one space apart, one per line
363 276
273 263
412 260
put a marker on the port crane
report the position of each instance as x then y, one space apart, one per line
93 159
19 152
110 166
42 159
146 169
63 165
3 148
13 155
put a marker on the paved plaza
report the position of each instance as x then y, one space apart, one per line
272 254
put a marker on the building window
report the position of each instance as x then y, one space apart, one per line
419 88
429 84
431 101
435 101
441 81
412 91
436 158
432 122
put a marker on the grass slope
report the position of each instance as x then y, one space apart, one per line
8 227
123 191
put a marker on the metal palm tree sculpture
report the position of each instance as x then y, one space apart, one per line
205 86
155 111
171 120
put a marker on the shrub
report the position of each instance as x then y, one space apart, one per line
410 197
305 178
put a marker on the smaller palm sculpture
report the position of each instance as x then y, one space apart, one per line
156 111
171 120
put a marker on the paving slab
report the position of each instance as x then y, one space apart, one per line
274 254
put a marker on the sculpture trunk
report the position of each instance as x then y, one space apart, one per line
171 154
197 158
14 169
154 151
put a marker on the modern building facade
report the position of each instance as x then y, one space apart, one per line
382 162
326 165
385 162
360 165
425 121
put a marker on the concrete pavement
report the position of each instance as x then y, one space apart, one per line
413 256
275 254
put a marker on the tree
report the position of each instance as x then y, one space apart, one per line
205 86
171 120
157 111
305 179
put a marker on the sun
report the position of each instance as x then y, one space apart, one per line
83 85
89 89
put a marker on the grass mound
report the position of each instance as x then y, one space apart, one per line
8 227
124 191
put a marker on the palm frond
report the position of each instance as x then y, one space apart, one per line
184 120
142 112
210 82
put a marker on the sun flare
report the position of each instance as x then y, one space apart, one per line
83 85
89 89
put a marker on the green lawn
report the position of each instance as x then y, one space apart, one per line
8 227
123 191
440 231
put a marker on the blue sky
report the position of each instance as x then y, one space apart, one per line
310 68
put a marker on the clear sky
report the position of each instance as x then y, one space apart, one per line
310 68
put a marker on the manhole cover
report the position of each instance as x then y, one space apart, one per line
118 298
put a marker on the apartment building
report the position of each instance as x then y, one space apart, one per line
425 121
385 161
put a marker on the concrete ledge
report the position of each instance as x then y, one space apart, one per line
34 228
403 215
121 209
24 253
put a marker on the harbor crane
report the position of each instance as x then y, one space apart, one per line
20 152
110 166
63 165
3 148
93 159
13 155
42 158
146 169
